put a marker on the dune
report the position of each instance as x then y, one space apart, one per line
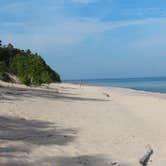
72 125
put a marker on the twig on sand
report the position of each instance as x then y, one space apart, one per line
144 160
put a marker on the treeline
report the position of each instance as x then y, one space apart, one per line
29 68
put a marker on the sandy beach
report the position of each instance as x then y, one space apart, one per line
79 125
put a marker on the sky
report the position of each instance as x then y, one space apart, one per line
83 39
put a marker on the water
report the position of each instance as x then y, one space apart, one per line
153 84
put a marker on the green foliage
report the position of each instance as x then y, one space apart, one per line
30 68
3 67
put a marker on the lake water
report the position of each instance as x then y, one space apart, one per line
153 84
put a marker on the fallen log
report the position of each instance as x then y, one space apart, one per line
144 160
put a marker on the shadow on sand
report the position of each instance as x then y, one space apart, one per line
68 161
13 93
34 132
19 137
22 136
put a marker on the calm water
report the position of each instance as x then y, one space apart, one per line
153 84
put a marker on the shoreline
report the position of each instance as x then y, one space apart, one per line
6 84
121 88
106 88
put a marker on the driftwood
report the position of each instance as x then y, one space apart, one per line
144 160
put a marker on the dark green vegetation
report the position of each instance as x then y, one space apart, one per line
29 68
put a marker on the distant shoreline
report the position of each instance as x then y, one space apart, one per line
148 84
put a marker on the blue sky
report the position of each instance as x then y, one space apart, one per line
90 38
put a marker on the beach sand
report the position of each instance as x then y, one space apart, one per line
79 125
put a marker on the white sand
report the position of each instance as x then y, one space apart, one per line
73 125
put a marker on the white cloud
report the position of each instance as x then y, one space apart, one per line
55 27
64 32
143 12
15 7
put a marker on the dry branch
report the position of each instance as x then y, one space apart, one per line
144 160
